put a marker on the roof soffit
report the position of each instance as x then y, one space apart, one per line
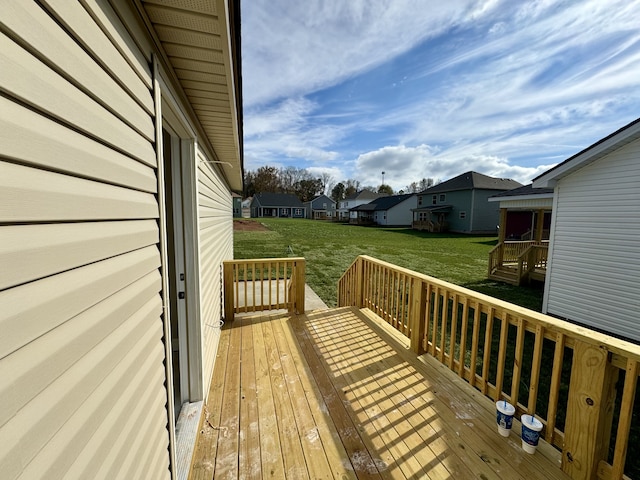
196 36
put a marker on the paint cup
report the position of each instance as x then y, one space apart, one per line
504 417
531 428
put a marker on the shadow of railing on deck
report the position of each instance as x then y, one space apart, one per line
564 374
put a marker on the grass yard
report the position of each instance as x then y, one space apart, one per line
330 248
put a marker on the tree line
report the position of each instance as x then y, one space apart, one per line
306 187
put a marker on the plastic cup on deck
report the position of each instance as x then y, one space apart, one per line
504 417
531 428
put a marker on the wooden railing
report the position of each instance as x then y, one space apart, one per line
533 258
263 284
564 374
429 225
523 256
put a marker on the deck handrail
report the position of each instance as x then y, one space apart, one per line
535 256
503 349
264 284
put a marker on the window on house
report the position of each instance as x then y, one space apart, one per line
298 212
324 206
419 201
463 214
434 199
442 197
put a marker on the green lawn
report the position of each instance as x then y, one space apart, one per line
330 248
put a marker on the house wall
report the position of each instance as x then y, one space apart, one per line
82 357
594 258
460 202
216 245
401 214
486 215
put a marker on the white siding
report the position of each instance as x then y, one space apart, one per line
401 214
215 211
81 355
594 272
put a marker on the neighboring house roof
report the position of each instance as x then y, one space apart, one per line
523 193
278 200
320 199
617 139
473 180
384 203
363 195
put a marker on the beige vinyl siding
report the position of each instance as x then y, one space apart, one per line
215 211
595 253
81 354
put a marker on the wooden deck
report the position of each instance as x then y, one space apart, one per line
338 394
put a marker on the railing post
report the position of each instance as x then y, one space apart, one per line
589 411
300 280
418 311
228 291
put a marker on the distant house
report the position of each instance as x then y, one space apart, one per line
359 198
320 208
593 267
461 204
393 210
284 205
246 207
237 205
523 237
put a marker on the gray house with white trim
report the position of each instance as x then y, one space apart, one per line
461 204
120 147
593 271
320 208
281 205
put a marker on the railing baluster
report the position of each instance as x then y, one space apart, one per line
475 339
554 393
535 370
463 336
436 317
486 358
443 325
626 414
454 331
502 355
517 362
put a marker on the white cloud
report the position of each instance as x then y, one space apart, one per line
504 88
403 165
298 47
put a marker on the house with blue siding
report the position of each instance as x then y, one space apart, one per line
320 208
461 204
280 205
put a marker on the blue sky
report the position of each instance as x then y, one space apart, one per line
429 88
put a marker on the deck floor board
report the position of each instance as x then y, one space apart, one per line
338 394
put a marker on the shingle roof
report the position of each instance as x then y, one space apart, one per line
363 195
278 200
526 190
471 180
383 203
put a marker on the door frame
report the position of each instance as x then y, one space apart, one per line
184 149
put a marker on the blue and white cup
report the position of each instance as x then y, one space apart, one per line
531 428
504 417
